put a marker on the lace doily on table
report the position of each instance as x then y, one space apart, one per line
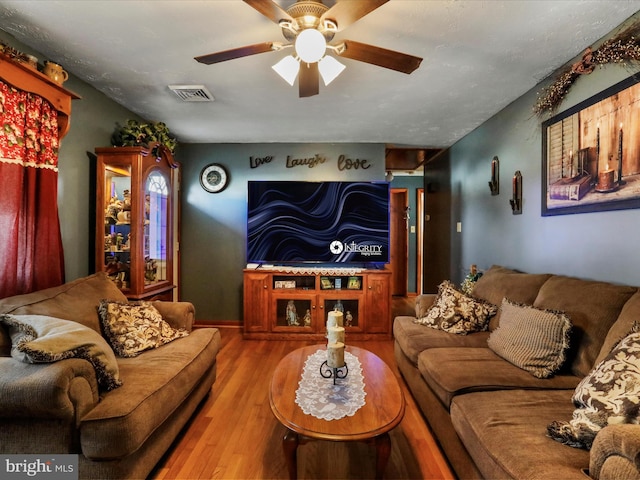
318 396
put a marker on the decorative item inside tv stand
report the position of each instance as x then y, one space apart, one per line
289 303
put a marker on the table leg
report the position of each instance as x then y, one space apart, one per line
383 450
290 444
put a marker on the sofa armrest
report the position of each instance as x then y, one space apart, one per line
66 390
615 453
177 314
423 303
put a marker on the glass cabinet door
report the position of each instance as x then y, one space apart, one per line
117 224
156 228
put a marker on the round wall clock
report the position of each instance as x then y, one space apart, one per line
214 178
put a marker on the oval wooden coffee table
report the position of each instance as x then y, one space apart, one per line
383 409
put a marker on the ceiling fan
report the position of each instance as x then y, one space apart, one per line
309 26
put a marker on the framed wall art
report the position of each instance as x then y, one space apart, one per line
591 153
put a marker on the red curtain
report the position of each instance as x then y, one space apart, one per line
31 255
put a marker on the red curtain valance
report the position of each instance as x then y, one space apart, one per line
31 255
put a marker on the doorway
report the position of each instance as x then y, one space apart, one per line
420 218
399 241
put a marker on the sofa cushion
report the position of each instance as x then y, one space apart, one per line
455 371
610 394
532 339
413 338
43 339
424 303
133 327
156 382
500 282
592 306
622 327
77 300
456 312
505 434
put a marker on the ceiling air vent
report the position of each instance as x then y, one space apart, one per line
192 93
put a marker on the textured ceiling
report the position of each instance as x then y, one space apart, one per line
478 57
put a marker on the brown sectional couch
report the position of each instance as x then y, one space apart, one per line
51 408
489 416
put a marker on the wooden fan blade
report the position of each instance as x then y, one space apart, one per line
346 12
308 79
235 53
381 57
269 9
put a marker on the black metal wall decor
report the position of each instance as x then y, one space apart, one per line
516 198
494 183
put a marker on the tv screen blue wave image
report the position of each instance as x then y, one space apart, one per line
292 222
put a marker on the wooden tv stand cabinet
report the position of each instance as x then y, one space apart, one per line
282 303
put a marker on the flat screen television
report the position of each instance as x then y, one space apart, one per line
290 222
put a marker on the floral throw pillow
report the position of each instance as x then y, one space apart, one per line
455 312
134 327
610 394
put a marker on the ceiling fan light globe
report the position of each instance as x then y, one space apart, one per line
329 69
288 69
310 45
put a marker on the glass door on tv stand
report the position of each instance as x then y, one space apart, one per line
294 312
350 308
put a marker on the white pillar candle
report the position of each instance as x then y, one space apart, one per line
335 335
335 355
335 319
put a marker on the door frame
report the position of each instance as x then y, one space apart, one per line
420 218
402 194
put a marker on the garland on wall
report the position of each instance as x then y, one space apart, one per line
621 49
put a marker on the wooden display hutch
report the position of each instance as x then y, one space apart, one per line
134 221
290 305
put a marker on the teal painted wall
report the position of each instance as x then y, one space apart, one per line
213 226
601 246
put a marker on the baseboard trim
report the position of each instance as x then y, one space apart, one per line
218 323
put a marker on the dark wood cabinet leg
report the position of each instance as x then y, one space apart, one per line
290 444
383 450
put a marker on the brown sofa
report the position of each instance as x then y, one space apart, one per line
489 416
56 408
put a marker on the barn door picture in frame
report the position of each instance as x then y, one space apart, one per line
591 154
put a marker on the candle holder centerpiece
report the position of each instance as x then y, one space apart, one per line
334 366
333 372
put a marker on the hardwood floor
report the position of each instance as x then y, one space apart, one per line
234 435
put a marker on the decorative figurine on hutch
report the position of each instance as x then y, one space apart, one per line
126 202
112 210
150 269
334 366
348 319
291 314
